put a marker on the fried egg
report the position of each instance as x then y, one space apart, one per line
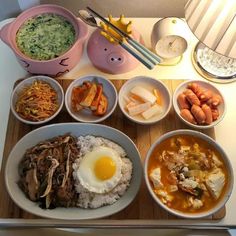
100 170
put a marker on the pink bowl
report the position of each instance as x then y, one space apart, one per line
56 66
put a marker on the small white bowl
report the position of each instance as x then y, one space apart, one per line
222 153
206 85
26 82
85 115
150 84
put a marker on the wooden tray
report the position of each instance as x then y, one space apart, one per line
143 208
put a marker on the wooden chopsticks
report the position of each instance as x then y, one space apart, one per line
144 55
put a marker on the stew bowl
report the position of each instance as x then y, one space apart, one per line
177 201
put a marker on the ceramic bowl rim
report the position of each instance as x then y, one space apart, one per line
175 104
17 51
33 78
156 81
99 119
200 135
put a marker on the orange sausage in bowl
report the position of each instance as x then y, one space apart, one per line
199 104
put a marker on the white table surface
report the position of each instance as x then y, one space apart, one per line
225 131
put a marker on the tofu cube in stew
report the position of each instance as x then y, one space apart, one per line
215 182
155 177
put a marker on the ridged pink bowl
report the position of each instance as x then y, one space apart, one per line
56 66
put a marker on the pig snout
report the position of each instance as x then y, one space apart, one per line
115 58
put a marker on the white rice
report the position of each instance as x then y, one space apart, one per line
89 199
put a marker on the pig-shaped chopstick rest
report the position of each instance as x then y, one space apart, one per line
107 55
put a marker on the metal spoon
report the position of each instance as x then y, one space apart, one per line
87 18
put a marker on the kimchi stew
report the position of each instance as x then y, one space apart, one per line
187 174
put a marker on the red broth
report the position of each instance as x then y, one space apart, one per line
180 199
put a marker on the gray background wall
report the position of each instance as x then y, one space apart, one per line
8 8
132 8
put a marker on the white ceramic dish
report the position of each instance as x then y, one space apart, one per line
206 85
86 115
46 132
29 81
150 84
213 143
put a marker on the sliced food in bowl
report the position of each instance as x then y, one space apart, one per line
37 101
91 99
89 96
143 102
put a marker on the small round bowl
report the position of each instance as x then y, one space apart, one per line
85 115
29 81
212 143
206 85
150 84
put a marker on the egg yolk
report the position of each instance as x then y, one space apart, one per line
104 168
